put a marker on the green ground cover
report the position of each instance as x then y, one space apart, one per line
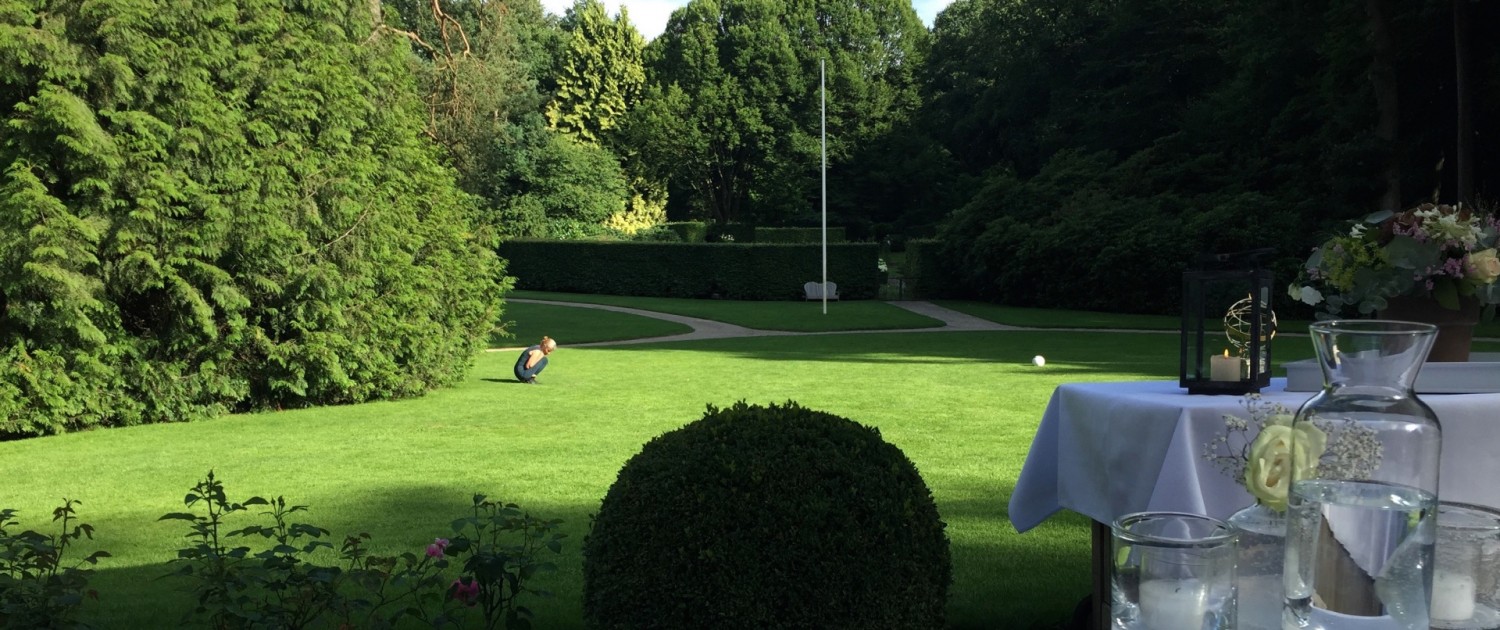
526 324
791 316
1049 318
963 406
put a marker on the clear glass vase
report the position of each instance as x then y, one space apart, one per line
1262 547
1361 517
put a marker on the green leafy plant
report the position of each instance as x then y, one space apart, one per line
237 587
1444 252
36 589
283 586
501 544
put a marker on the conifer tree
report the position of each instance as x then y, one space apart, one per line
222 205
600 75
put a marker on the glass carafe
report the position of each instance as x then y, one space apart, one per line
1361 517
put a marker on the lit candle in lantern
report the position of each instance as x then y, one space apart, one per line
1173 604
1224 368
1452 596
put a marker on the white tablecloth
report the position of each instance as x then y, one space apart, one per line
1108 449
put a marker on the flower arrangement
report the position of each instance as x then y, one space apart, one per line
1264 464
1439 251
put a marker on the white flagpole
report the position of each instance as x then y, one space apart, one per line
823 127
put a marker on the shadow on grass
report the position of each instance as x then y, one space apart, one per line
1002 579
1147 356
399 520
1005 579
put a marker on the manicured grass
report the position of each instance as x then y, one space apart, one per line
963 406
528 322
791 316
1048 318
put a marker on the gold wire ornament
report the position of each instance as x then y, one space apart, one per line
1238 329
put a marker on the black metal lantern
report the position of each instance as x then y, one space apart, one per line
1227 324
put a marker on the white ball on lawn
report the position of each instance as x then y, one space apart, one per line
1038 361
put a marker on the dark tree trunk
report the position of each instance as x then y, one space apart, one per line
1464 151
1383 78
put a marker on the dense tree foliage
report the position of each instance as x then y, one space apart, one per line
210 206
731 116
218 205
1119 139
600 73
485 70
599 80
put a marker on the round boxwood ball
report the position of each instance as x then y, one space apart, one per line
767 517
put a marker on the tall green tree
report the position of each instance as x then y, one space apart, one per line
1103 125
213 205
745 129
600 75
599 80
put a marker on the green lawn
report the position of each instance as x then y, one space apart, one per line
963 406
1049 318
790 316
526 323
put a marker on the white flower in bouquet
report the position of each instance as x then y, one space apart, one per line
1276 453
1266 463
1446 253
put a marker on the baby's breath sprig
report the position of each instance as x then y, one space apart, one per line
1353 451
1230 450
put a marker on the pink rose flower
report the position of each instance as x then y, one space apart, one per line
468 593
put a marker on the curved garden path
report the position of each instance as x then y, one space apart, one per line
953 321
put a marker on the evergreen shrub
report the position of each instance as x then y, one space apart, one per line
689 231
767 517
755 271
223 207
798 235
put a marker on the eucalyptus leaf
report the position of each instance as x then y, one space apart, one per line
1409 253
1446 293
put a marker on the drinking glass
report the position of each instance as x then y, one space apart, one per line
1173 571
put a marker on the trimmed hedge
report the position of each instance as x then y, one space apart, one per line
736 233
756 271
798 235
689 231
767 517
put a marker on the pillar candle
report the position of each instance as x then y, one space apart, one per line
1224 368
1173 604
1452 596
